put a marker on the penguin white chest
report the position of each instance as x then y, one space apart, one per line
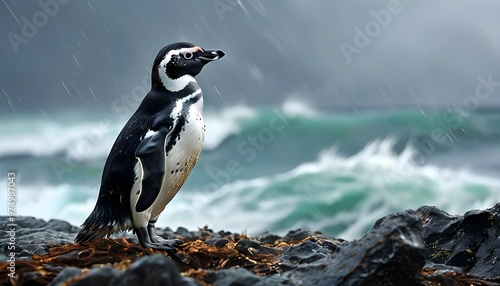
181 159
182 147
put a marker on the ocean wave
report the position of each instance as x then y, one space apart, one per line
339 195
86 139
442 129
341 192
342 196
224 123
72 203
92 135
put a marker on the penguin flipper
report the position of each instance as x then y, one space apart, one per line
151 153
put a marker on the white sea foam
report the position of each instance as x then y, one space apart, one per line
66 202
261 204
223 123
88 139
294 107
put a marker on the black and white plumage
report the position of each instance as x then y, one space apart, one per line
156 150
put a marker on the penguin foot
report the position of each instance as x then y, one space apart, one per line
155 238
145 240
161 240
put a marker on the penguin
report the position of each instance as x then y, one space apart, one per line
155 151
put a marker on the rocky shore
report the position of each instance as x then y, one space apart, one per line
422 247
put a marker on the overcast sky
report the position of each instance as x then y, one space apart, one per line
88 55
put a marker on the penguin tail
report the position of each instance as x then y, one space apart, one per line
104 220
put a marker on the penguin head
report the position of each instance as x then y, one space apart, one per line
177 64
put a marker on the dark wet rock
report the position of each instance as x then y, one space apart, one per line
26 222
428 247
182 231
249 247
152 270
33 235
148 270
392 253
296 235
304 253
330 244
166 233
269 238
444 275
223 233
442 268
106 275
186 235
67 274
60 225
235 277
221 242
469 242
218 242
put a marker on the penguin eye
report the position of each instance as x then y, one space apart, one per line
188 55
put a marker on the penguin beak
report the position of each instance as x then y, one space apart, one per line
209 56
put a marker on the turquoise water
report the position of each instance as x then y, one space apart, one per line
273 169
